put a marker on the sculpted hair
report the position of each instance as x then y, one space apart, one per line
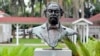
61 10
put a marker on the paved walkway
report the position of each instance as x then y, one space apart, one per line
26 44
23 44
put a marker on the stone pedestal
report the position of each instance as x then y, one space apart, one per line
48 52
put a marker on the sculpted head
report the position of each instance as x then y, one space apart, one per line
53 12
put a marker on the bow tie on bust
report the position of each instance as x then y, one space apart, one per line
53 28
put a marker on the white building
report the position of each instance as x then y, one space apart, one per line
95 28
82 27
5 30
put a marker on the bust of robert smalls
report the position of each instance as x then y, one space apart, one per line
52 30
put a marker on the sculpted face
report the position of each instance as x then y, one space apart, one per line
53 13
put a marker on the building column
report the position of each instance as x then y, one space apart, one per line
75 37
17 34
84 34
87 32
81 33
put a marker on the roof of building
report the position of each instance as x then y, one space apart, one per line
39 20
95 18
3 14
30 20
82 20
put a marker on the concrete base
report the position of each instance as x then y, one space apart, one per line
48 52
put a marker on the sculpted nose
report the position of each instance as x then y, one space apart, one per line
53 12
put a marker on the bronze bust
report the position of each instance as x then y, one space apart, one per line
53 30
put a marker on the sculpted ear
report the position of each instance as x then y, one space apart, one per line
61 11
45 12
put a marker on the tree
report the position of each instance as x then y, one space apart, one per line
32 5
40 7
97 7
5 6
67 7
14 7
21 5
70 7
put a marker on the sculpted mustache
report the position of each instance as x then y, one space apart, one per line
53 16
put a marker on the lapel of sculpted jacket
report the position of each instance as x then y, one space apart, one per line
40 30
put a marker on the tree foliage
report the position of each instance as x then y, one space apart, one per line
17 7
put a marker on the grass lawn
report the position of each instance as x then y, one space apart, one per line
27 41
36 41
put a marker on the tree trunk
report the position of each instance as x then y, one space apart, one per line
82 8
75 9
24 35
13 7
32 6
40 7
22 5
58 1
66 9
47 1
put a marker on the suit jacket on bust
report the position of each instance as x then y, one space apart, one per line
52 36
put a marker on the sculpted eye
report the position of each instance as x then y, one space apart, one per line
57 11
50 10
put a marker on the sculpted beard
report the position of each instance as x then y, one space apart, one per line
53 20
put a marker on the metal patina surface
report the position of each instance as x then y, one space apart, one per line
52 31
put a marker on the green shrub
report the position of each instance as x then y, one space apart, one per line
92 48
16 51
97 48
71 46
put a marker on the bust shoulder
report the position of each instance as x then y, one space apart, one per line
68 31
39 29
